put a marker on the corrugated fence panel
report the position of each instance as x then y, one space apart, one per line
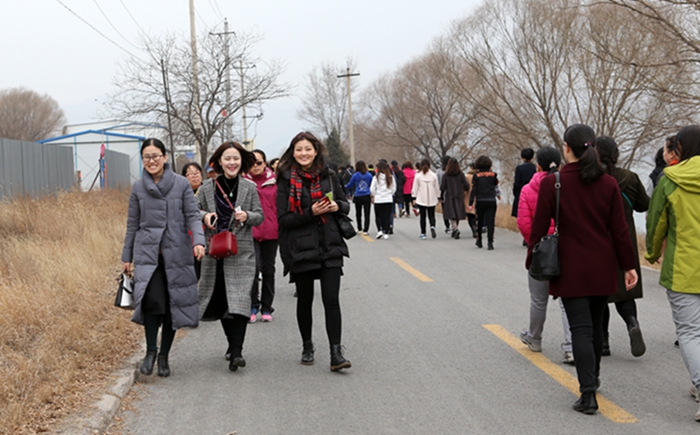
118 172
29 168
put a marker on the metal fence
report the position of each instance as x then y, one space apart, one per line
117 170
29 168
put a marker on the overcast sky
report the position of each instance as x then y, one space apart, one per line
48 49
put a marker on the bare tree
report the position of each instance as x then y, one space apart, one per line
415 109
27 115
162 86
325 99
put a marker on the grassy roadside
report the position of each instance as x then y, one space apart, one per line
60 336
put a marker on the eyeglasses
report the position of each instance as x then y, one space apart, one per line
258 163
155 157
193 174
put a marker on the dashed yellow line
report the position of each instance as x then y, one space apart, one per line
410 269
605 406
368 238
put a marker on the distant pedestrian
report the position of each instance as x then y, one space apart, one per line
593 243
484 193
359 184
162 208
383 188
264 239
634 199
548 162
426 192
659 165
230 203
410 175
523 175
398 195
471 213
309 197
453 189
674 220
193 172
440 172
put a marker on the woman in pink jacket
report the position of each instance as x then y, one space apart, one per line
548 161
408 199
264 238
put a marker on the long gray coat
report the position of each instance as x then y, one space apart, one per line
159 217
239 269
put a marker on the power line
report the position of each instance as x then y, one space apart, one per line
95 28
132 17
111 24
216 9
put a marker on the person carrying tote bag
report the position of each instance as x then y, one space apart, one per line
162 208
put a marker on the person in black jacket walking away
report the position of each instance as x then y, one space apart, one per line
483 194
309 197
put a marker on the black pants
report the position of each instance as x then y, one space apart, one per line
383 212
430 212
486 217
625 309
362 204
585 315
330 293
155 306
407 201
472 223
265 255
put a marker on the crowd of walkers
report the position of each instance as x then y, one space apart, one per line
297 205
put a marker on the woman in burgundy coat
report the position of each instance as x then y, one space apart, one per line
593 241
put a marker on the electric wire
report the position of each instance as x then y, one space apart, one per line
95 28
113 26
132 17
215 8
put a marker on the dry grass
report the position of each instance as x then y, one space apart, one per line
59 333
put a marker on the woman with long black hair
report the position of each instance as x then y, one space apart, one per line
593 241
309 196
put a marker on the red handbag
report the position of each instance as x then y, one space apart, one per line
223 244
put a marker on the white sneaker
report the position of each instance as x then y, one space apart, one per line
386 237
697 415
568 358
379 235
694 393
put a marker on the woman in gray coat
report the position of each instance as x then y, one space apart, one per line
161 210
225 285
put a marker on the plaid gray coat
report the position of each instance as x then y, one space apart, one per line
239 270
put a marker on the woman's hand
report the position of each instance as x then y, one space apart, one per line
126 268
207 221
631 279
240 216
198 252
334 207
322 207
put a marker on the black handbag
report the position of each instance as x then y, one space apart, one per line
125 293
544 264
344 221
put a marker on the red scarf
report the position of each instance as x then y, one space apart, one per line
296 186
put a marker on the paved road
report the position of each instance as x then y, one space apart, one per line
423 360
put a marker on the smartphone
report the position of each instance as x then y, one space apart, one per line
238 209
329 195
212 220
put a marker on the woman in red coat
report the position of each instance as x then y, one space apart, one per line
593 241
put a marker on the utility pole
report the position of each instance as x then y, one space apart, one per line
195 88
227 43
166 94
347 75
241 68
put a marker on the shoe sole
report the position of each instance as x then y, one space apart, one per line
345 365
234 366
530 346
637 342
304 363
694 394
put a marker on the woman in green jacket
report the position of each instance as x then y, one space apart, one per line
674 216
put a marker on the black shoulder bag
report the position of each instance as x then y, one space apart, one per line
544 264
343 220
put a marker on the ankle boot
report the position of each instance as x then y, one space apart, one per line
587 403
236 362
606 345
490 246
147 364
478 243
338 362
163 366
637 345
307 355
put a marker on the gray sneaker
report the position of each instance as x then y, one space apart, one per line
568 358
532 344
694 393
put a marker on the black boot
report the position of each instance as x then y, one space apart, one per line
636 341
307 355
490 248
606 345
478 243
147 364
236 362
163 366
587 403
338 362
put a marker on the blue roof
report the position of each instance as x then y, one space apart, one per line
100 132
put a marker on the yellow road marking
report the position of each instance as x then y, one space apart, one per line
410 269
605 406
366 237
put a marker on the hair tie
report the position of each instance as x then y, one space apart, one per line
552 165
587 144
